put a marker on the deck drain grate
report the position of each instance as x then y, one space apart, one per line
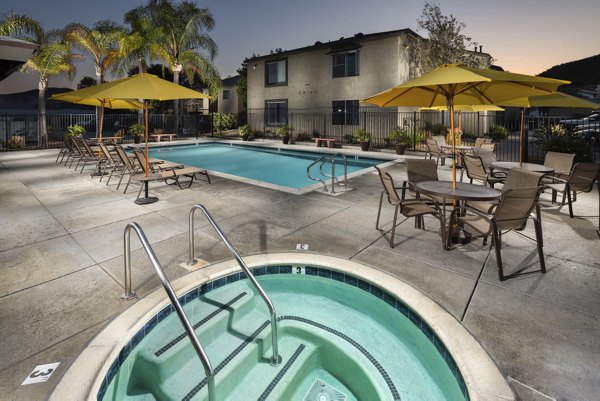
321 391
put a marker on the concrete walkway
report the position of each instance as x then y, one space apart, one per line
61 267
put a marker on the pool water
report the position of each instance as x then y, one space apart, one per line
339 338
280 167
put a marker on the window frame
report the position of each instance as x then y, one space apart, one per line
285 115
345 54
277 60
349 115
228 92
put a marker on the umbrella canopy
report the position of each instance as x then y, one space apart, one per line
74 97
557 99
452 84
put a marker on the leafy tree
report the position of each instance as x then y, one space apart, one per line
52 57
86 82
446 42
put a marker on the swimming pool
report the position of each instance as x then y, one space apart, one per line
338 335
277 166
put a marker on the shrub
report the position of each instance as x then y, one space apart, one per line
224 121
397 136
498 133
136 129
245 131
75 130
14 143
284 130
362 135
555 138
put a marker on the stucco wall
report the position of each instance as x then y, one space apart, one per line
383 63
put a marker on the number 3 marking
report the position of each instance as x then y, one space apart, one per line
37 373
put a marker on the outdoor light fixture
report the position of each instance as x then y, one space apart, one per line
254 66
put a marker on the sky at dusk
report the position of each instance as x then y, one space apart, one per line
525 36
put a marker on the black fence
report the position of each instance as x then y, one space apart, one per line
323 122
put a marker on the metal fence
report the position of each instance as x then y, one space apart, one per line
25 126
323 122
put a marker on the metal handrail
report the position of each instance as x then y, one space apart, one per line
276 358
208 370
329 158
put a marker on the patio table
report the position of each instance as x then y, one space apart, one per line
538 168
462 192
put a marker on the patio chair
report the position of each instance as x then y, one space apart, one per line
512 212
85 154
581 179
439 139
489 146
481 141
66 151
475 168
434 149
409 208
562 163
515 178
487 156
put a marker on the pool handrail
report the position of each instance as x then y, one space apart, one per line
325 159
276 358
208 369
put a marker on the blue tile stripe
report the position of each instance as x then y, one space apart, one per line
229 358
287 269
281 373
180 337
367 354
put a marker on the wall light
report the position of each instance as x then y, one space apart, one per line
254 66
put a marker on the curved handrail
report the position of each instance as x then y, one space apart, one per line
322 158
208 370
325 159
276 358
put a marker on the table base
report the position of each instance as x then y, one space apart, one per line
146 200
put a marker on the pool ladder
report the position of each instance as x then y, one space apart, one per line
129 294
329 158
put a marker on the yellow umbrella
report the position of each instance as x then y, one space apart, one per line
82 96
452 84
557 99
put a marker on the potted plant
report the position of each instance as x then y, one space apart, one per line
363 137
245 132
400 138
75 130
498 133
136 130
285 132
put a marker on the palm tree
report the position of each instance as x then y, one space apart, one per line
53 57
102 42
181 41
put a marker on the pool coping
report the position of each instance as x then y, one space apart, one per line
389 159
84 377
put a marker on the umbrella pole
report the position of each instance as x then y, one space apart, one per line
98 172
521 137
146 199
451 108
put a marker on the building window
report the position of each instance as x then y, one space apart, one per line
345 64
276 72
344 112
226 94
276 112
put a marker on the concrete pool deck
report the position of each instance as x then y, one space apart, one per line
61 267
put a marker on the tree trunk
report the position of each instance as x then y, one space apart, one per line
42 130
176 71
141 69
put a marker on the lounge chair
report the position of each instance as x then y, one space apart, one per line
475 168
128 166
581 179
176 174
86 155
155 165
409 208
512 212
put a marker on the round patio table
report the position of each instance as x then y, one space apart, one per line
462 192
538 168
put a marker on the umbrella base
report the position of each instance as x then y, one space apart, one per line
98 173
146 200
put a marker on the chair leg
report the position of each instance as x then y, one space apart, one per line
568 192
394 225
540 243
497 244
379 211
